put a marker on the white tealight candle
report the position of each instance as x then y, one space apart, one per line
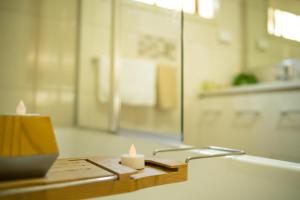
21 108
133 160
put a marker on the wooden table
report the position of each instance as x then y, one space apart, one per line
77 178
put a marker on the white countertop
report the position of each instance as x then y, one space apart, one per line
257 88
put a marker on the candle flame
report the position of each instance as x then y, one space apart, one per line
21 108
132 150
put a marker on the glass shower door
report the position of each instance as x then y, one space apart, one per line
150 68
130 67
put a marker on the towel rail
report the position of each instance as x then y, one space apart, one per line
229 152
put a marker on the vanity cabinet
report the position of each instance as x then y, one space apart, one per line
261 123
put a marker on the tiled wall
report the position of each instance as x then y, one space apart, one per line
94 43
17 49
38 48
136 21
206 56
37 57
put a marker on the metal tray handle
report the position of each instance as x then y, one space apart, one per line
229 152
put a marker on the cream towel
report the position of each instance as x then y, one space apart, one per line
167 87
138 82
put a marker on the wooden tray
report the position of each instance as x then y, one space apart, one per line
92 177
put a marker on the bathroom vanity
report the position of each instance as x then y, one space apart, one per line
263 120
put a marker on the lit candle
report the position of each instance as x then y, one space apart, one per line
133 160
21 108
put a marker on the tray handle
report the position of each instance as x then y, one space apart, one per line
228 152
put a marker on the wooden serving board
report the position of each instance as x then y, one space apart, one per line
79 178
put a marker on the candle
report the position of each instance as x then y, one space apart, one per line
27 144
21 108
133 160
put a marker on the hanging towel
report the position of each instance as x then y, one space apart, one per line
167 87
138 82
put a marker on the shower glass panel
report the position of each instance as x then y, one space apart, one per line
150 68
37 57
94 68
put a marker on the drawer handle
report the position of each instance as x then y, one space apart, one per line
289 112
248 112
212 112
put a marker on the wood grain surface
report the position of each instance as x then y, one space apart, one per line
78 178
26 135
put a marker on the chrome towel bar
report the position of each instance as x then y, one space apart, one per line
229 152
